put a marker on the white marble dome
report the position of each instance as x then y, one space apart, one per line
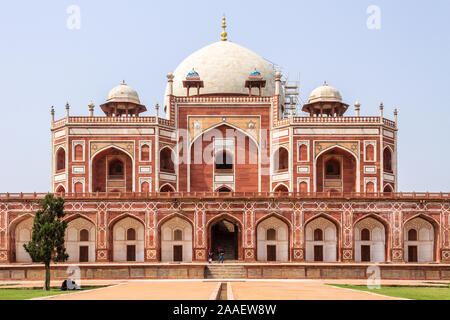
325 93
223 67
123 93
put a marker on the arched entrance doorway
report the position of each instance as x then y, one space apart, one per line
112 171
336 170
225 233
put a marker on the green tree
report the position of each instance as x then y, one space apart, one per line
47 241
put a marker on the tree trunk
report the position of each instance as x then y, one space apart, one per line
47 277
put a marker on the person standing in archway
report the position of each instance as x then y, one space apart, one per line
221 253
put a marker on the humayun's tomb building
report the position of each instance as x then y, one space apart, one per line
232 165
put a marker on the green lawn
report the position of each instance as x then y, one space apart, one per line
29 293
409 292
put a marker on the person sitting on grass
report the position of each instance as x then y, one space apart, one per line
69 284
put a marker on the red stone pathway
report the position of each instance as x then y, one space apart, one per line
201 290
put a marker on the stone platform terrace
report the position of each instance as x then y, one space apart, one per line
128 271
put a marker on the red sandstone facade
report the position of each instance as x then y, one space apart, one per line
228 168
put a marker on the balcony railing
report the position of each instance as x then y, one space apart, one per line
345 120
124 120
235 195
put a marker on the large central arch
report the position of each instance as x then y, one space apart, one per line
243 152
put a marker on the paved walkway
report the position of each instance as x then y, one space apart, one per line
308 290
157 290
201 290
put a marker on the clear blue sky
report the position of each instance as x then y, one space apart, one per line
405 65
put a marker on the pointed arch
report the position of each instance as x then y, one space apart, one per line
60 159
60 189
336 146
111 146
245 155
219 125
237 234
167 227
355 156
80 249
17 253
123 249
222 189
128 165
370 152
436 234
122 216
165 188
387 159
69 218
280 159
281 185
327 250
171 216
224 216
167 158
387 232
336 222
278 247
276 215
78 152
144 154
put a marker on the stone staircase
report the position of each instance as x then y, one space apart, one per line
224 271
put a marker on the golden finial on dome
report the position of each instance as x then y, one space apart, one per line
224 26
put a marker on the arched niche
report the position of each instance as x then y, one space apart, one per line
370 240
176 240
124 248
272 236
322 248
80 240
419 240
